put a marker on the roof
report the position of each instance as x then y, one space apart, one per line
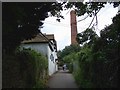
39 38
42 38
50 36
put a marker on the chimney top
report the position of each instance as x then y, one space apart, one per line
72 11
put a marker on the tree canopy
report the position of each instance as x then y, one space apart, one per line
91 8
22 20
87 36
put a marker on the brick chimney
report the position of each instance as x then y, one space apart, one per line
73 27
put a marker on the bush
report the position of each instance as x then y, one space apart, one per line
83 72
11 75
70 59
25 69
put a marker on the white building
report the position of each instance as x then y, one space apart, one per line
119 8
46 45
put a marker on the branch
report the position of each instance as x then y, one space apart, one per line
95 15
83 19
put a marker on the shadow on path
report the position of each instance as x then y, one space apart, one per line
62 79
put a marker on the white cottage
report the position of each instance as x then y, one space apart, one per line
45 44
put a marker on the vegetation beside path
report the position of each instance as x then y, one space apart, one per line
25 69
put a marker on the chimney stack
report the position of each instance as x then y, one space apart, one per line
73 27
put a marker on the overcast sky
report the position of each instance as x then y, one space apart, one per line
62 30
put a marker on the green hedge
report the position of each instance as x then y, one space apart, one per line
25 69
83 73
95 70
69 60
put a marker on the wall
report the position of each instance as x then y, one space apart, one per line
42 48
53 67
51 62
119 8
56 66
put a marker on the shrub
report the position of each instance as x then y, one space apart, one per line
70 59
83 72
25 69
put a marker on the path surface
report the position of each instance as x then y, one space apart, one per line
62 79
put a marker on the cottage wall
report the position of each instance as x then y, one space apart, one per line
51 62
41 48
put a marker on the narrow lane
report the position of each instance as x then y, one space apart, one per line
62 79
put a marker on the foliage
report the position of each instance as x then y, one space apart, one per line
68 50
89 8
110 42
25 69
22 20
99 63
83 73
87 36
67 55
69 59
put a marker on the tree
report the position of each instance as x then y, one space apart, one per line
23 20
68 51
88 36
106 51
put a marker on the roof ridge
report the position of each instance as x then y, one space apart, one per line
44 36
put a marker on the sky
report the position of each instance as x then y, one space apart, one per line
62 30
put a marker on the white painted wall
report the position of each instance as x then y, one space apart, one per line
51 63
44 49
56 66
119 8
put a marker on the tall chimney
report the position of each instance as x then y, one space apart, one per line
73 27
